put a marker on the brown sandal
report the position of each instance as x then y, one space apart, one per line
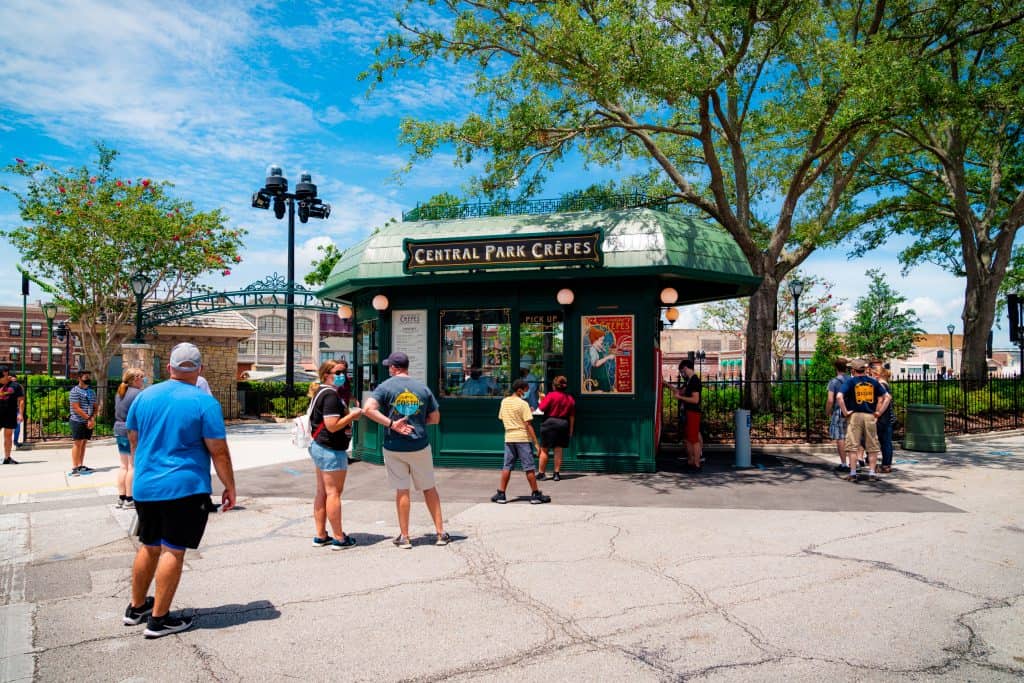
885 469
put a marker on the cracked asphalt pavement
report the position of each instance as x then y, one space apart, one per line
782 573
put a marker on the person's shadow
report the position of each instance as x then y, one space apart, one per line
226 616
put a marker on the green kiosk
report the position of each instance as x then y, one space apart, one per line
479 301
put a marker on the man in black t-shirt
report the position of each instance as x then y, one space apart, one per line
862 400
690 399
12 410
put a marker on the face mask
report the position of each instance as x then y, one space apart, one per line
339 380
86 382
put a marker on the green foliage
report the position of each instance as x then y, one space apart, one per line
88 231
827 348
951 174
879 328
281 407
322 266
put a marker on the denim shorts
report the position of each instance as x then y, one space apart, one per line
124 447
327 459
521 451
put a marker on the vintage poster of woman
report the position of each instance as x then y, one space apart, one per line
607 354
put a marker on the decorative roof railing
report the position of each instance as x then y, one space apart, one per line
521 207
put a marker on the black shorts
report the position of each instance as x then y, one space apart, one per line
79 432
9 422
554 432
177 523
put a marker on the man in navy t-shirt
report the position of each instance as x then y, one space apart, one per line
176 429
862 400
405 406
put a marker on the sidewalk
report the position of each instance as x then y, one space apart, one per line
725 576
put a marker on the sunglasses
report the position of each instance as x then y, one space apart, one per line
339 372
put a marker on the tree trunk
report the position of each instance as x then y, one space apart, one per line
978 318
759 344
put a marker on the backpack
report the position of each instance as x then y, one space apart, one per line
301 435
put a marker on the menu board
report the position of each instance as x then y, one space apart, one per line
409 334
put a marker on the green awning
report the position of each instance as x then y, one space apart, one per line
635 242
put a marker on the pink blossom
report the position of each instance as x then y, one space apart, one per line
119 183
238 259
60 188
89 203
20 161
227 271
92 179
145 183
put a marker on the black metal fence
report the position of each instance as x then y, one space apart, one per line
798 408
48 406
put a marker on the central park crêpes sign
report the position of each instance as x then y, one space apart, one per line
578 248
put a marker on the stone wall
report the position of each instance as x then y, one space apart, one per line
220 363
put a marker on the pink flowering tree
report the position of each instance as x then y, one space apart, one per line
89 230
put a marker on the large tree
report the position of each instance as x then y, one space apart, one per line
88 231
759 114
954 171
882 326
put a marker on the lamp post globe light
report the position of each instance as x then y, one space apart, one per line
796 288
139 284
275 192
950 328
49 311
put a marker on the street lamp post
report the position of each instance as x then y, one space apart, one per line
949 328
275 190
139 284
49 310
64 335
796 288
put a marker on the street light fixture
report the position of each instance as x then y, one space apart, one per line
796 288
949 328
49 311
64 335
139 284
275 191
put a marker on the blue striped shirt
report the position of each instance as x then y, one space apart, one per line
86 400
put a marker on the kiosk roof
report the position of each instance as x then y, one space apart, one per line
633 242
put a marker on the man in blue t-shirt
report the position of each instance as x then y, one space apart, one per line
175 429
405 406
862 400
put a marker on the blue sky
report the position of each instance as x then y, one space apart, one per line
207 97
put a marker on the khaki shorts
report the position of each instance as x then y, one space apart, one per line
403 466
860 427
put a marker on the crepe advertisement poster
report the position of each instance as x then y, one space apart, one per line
607 354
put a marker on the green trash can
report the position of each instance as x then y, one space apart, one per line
926 428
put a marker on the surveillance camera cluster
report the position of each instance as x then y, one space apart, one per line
275 191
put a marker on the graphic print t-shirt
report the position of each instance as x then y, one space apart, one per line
402 396
861 394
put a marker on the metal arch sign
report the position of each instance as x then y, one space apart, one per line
269 293
508 251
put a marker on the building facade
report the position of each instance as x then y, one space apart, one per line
34 336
